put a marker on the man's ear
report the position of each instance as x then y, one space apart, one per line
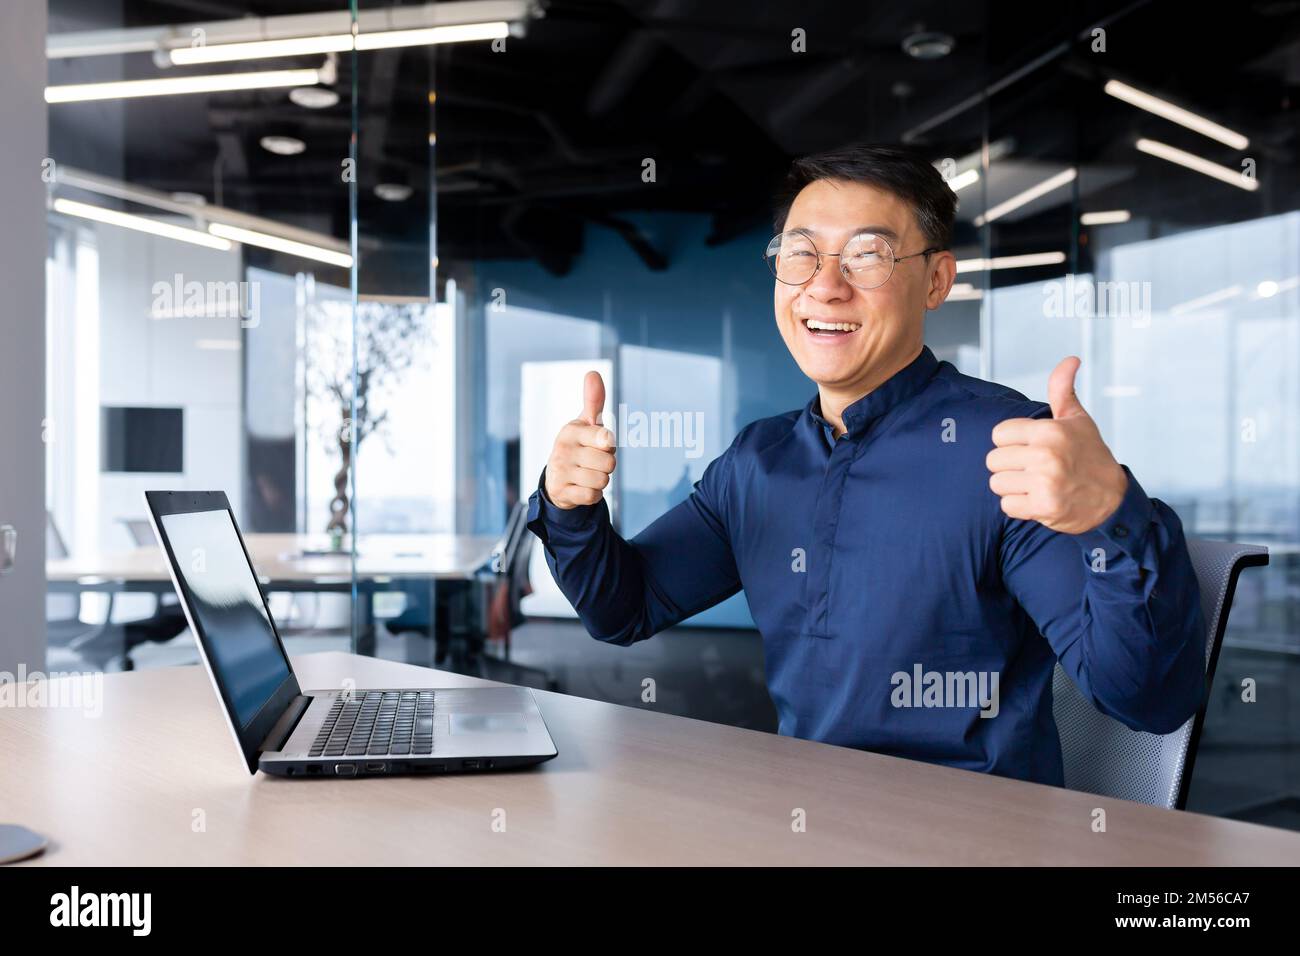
943 272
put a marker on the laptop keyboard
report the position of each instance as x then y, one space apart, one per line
377 723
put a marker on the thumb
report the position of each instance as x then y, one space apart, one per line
593 398
1060 389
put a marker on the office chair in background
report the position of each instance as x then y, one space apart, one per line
127 620
486 612
503 585
64 626
1103 756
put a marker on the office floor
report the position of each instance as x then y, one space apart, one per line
1246 767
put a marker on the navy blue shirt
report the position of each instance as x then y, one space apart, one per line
901 610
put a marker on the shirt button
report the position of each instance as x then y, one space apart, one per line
1120 531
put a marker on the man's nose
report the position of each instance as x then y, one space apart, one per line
829 284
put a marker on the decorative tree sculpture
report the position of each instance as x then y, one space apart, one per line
388 341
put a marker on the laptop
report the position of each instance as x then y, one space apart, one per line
282 729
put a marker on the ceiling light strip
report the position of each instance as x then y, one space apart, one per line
1175 114
1062 178
112 217
1224 174
173 85
280 244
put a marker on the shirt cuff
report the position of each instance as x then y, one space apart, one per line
544 512
1127 528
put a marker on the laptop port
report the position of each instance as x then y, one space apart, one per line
376 767
469 764
313 768
345 769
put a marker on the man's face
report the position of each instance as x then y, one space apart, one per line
886 322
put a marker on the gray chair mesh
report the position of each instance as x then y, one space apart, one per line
1103 756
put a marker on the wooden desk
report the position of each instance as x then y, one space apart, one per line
628 787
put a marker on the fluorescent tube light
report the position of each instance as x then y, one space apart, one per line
1011 262
139 223
962 180
280 244
1028 196
1224 174
1106 218
338 43
259 49
1175 114
171 85
456 33
963 292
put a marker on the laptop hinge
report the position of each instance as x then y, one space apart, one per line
284 727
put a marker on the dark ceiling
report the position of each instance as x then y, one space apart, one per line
537 142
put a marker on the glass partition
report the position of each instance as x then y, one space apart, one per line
198 230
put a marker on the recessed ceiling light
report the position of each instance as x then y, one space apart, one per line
313 97
928 45
393 192
283 145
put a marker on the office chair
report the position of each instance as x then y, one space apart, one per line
64 626
498 589
1103 756
502 587
122 628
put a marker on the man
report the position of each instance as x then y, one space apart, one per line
918 547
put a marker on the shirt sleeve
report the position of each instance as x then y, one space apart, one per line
1120 606
627 590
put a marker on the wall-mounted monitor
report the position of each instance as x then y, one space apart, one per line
139 439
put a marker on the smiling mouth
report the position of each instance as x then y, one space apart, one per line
830 329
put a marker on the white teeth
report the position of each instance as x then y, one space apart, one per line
832 326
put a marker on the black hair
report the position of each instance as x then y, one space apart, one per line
899 170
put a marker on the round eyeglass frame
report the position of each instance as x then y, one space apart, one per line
770 258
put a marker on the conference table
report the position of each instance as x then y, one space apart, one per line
304 560
298 563
155 779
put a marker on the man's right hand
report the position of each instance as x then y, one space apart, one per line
583 457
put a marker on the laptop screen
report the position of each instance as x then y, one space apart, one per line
227 606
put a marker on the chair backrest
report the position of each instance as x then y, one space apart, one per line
141 532
55 547
1103 756
510 558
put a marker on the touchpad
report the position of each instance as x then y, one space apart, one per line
488 724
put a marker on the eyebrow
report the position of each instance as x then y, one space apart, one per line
884 231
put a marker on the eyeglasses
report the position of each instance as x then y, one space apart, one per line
866 261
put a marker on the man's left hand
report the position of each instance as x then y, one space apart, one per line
1056 471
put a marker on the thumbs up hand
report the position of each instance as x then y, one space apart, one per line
1056 471
583 456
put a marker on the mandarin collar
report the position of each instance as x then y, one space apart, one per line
898 388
